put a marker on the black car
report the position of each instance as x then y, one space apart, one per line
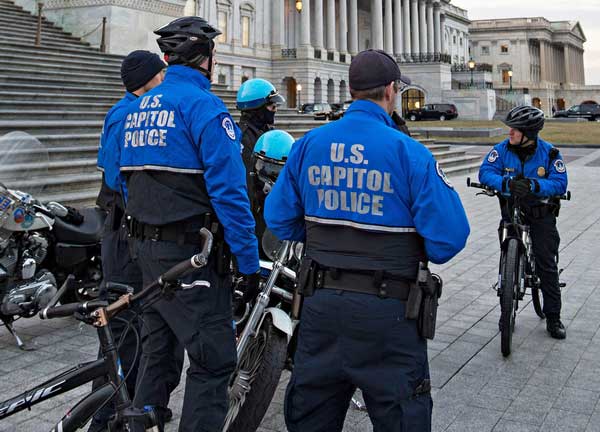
320 111
433 112
586 111
338 110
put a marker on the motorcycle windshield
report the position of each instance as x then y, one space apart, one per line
24 163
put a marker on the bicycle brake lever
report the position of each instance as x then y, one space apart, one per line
197 283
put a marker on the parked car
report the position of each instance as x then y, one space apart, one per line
338 110
433 112
320 111
587 111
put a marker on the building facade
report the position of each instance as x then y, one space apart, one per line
535 56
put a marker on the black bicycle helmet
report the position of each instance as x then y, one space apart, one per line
186 40
527 119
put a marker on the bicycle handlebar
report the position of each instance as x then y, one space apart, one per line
197 261
565 197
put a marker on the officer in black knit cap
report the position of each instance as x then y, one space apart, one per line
140 71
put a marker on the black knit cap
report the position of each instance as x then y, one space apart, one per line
139 67
374 68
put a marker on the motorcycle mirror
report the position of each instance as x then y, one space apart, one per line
270 244
57 209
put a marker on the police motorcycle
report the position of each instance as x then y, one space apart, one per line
42 245
517 269
264 326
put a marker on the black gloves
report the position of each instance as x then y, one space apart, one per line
520 186
250 286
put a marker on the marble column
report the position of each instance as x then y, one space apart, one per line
278 34
437 29
305 25
430 38
443 45
353 27
398 42
331 25
406 29
377 23
414 26
388 28
318 21
423 26
543 62
343 26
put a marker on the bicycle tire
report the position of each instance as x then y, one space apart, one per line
537 302
82 413
509 290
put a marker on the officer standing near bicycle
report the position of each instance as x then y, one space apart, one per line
181 159
141 71
371 204
526 166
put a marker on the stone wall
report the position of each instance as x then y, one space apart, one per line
472 104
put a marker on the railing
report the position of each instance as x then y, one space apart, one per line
424 58
479 85
102 36
317 53
38 33
288 53
479 67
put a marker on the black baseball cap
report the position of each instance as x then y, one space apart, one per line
374 68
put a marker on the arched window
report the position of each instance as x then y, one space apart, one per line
247 24
331 91
343 91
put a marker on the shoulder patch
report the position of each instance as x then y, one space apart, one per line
559 166
227 124
493 156
442 175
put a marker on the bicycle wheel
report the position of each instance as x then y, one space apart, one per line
508 292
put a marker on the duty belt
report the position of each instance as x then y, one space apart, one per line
175 232
363 282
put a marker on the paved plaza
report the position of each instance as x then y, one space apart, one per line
545 385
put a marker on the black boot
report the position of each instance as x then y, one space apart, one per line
556 328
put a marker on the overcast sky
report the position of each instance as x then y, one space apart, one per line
587 12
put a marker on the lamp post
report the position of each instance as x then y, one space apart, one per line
298 90
299 5
510 75
472 68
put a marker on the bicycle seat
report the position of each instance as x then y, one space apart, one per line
88 232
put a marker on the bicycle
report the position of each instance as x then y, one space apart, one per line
98 313
517 270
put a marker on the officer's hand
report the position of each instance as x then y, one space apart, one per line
520 186
249 286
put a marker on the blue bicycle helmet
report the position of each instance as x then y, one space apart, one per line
256 93
271 151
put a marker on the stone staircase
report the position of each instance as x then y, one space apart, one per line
60 92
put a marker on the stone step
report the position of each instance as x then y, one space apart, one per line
81 198
15 51
48 127
78 91
21 114
73 140
56 154
446 155
29 27
34 95
455 161
54 105
48 72
67 81
461 169
49 40
36 170
50 46
57 184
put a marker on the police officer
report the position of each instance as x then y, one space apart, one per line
140 71
370 203
268 158
181 158
258 100
532 169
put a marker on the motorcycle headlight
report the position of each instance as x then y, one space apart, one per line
298 251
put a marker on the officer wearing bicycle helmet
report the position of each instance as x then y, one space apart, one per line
181 159
370 203
258 100
526 166
268 158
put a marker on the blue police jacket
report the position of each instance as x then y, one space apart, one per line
109 152
362 174
180 145
548 174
